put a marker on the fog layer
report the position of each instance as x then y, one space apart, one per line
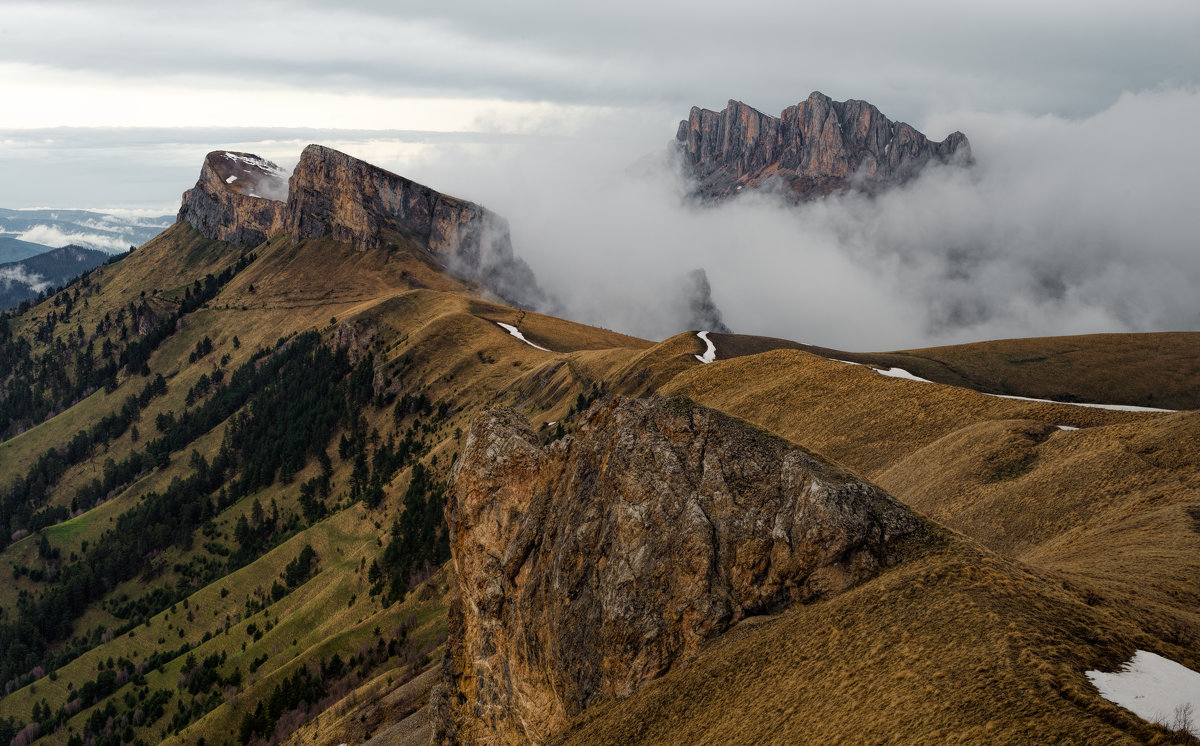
1062 227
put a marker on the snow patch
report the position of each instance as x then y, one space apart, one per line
1066 427
710 354
900 373
1153 688
1114 407
231 179
258 164
516 333
847 362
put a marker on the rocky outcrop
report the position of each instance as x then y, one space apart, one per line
813 148
238 198
589 567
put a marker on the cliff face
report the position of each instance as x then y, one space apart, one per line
816 147
332 194
238 198
586 568
336 195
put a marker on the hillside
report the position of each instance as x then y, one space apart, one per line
22 280
227 476
1154 369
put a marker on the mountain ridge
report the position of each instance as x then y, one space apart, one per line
331 194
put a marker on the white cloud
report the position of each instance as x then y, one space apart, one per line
1064 226
54 237
20 275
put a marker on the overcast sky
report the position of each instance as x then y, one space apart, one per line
175 77
1078 217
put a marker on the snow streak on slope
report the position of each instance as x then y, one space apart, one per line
900 373
516 333
710 354
1115 407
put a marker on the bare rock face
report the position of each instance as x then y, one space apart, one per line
813 148
336 195
244 199
588 567
238 198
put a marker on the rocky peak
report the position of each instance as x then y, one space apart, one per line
333 194
589 567
813 148
238 198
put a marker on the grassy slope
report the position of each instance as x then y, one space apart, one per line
956 647
446 345
1151 370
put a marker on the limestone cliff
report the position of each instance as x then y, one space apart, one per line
588 567
244 199
336 195
238 198
816 147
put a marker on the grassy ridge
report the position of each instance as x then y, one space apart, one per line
1160 370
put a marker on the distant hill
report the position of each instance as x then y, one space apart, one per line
35 231
14 249
23 280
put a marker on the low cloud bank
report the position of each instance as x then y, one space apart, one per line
54 237
21 276
1062 227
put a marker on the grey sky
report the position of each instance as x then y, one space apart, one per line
543 67
1077 218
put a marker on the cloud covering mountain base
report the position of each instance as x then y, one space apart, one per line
1062 227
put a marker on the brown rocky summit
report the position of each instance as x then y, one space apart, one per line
245 199
814 148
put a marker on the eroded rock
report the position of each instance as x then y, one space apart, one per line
589 567
238 198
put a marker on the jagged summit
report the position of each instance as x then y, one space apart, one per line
816 147
245 199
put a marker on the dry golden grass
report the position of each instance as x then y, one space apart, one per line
959 646
1153 370
852 414
1159 369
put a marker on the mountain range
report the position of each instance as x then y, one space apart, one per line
315 465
